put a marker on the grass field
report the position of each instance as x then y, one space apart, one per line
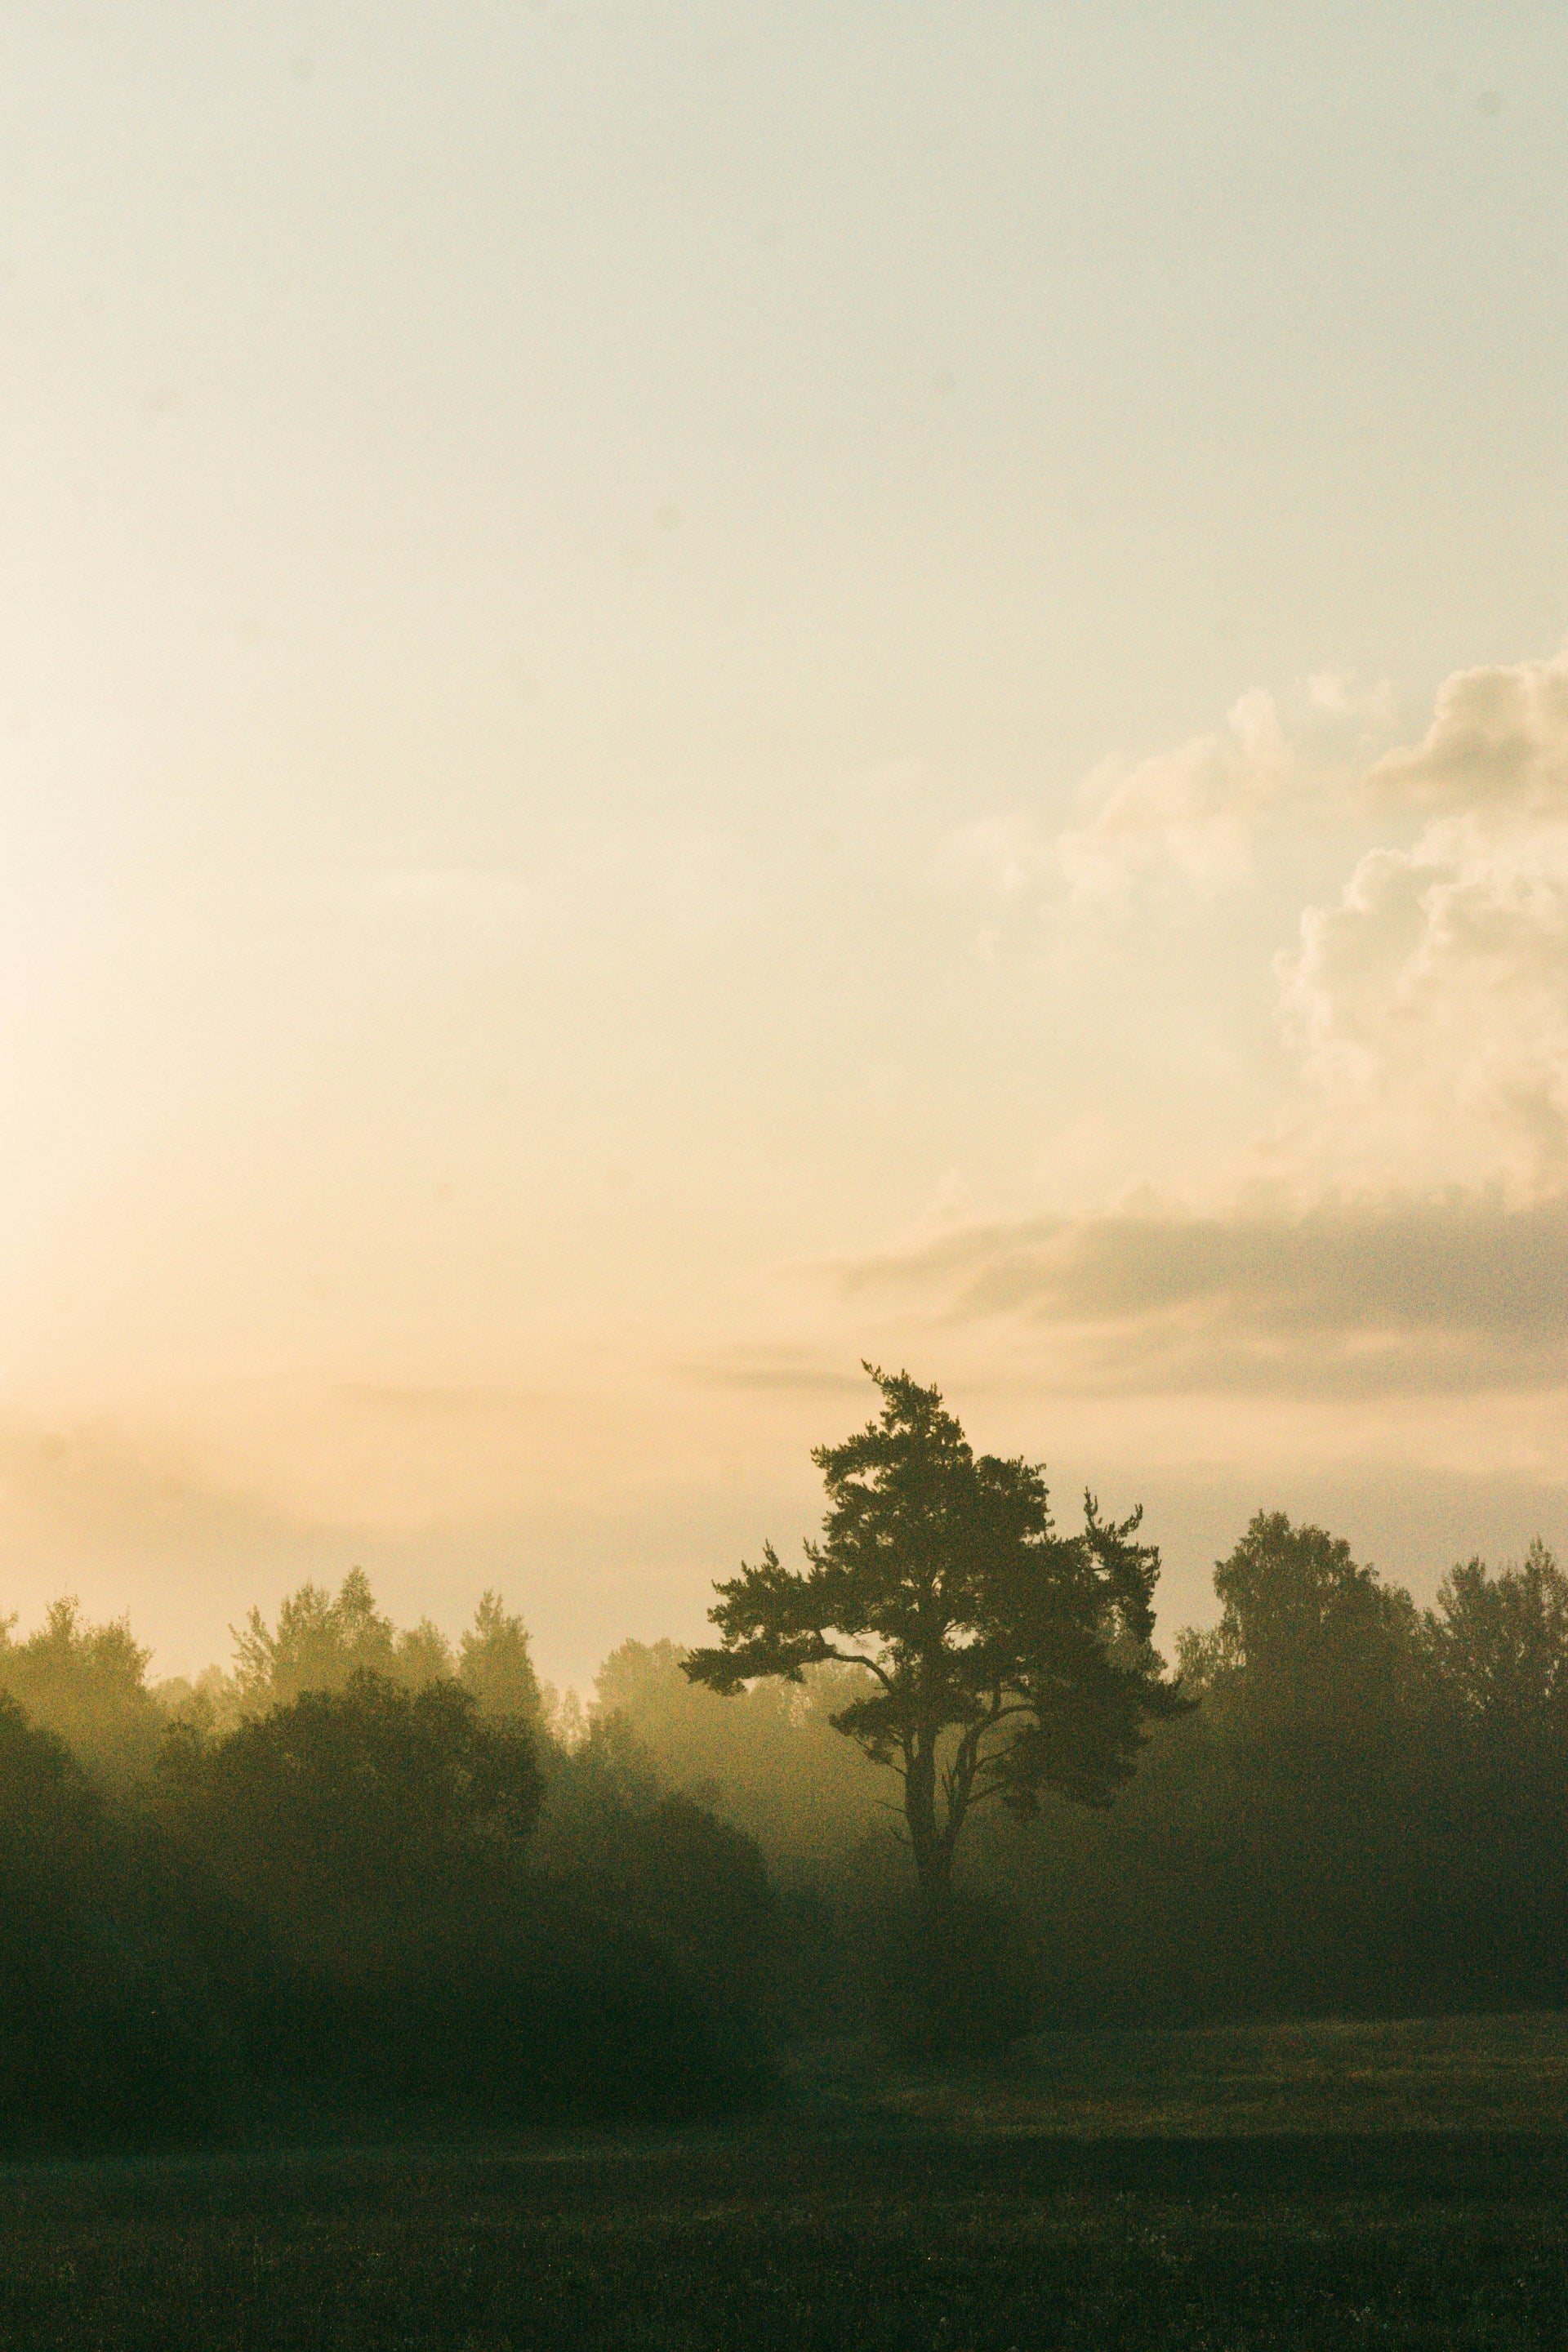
1306 2186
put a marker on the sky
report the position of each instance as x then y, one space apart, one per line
689 693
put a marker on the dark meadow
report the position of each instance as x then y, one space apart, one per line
929 1887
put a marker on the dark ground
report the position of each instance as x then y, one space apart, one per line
1291 2186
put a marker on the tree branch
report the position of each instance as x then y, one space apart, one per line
854 1658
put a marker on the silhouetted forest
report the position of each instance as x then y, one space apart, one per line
1366 1814
358 1870
363 1868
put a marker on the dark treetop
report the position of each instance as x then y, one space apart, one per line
1001 1659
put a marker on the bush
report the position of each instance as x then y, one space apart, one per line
956 1982
410 1946
107 2031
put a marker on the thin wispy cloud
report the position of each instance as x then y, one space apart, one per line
674 880
775 1369
1446 1295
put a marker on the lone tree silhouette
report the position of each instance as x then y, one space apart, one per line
1002 1659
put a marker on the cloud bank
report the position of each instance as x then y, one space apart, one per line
1360 1297
1402 1224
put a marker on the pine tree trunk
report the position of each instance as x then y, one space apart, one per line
932 1858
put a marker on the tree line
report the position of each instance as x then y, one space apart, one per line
1337 1802
938 1782
361 1872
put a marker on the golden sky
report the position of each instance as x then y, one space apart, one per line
690 693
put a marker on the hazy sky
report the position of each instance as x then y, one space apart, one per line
690 692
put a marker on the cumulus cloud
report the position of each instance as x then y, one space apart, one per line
1430 1007
1497 751
1192 810
1428 1002
1498 743
1196 812
1195 808
1403 1222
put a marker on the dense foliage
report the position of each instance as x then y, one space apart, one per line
374 1871
997 1657
1367 1812
347 1902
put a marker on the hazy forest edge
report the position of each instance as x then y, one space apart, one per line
938 1785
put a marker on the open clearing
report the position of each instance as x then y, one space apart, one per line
1304 2185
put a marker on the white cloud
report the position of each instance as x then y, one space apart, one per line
1497 751
1192 810
1402 1223
1196 812
1195 808
1498 743
1430 1006
1427 1004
